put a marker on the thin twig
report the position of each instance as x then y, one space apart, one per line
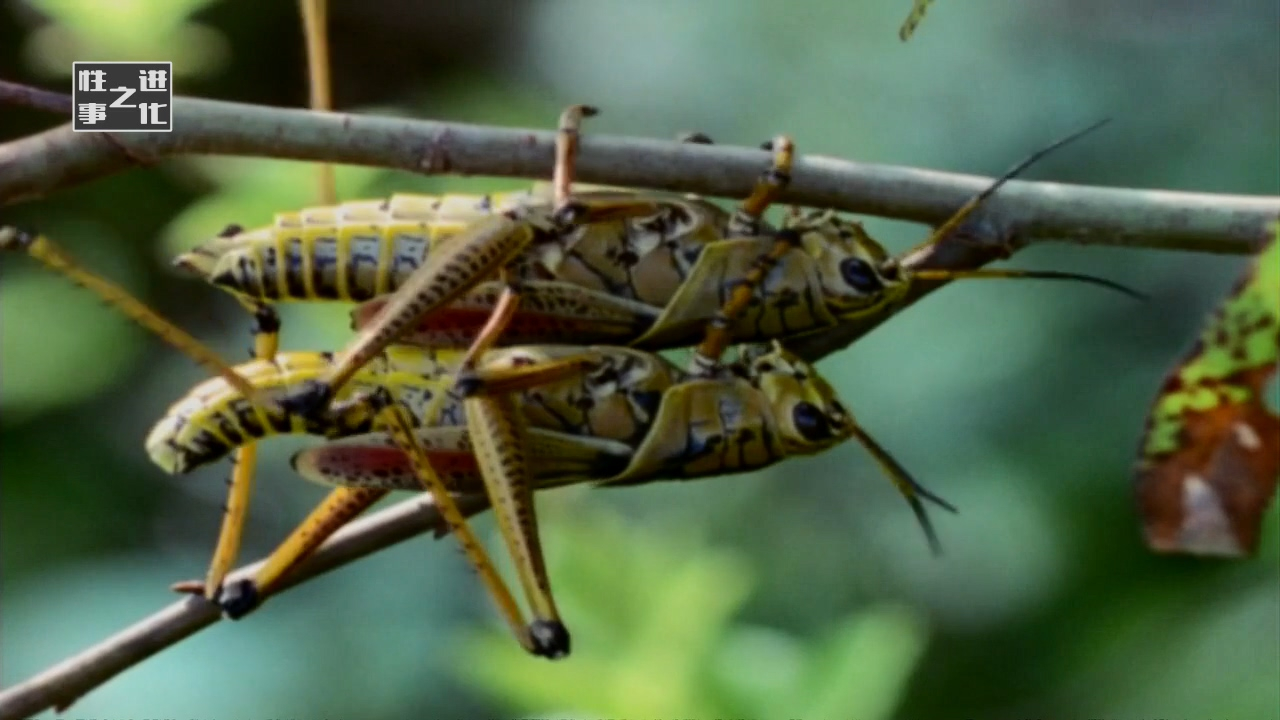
62 684
1027 211
35 166
12 93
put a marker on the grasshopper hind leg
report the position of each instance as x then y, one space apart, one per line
546 636
55 258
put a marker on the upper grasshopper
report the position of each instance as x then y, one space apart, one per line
641 269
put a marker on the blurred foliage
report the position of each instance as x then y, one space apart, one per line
802 592
658 640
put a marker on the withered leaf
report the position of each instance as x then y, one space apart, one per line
1210 455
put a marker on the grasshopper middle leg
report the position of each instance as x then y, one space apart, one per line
748 220
266 343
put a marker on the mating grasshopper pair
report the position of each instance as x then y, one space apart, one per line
624 268
606 414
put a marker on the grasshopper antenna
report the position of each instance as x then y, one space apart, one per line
1033 274
918 9
976 201
907 486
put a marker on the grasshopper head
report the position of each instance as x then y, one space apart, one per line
809 415
857 275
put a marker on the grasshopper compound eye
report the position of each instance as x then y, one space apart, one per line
860 275
811 422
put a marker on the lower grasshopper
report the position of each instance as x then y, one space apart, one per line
551 415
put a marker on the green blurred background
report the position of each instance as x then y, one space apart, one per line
804 592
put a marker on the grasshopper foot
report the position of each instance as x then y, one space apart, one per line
238 599
550 639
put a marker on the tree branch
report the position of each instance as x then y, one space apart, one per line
61 685
1020 213
35 166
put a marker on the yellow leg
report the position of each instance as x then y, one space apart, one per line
499 319
530 637
746 220
500 444
55 258
340 507
266 343
315 27
567 136
509 380
501 447
748 217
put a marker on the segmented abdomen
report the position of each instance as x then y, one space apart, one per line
213 418
615 397
359 250
354 251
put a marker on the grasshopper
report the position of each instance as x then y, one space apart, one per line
540 416
641 269
604 414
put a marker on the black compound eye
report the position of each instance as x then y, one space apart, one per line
810 421
860 275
